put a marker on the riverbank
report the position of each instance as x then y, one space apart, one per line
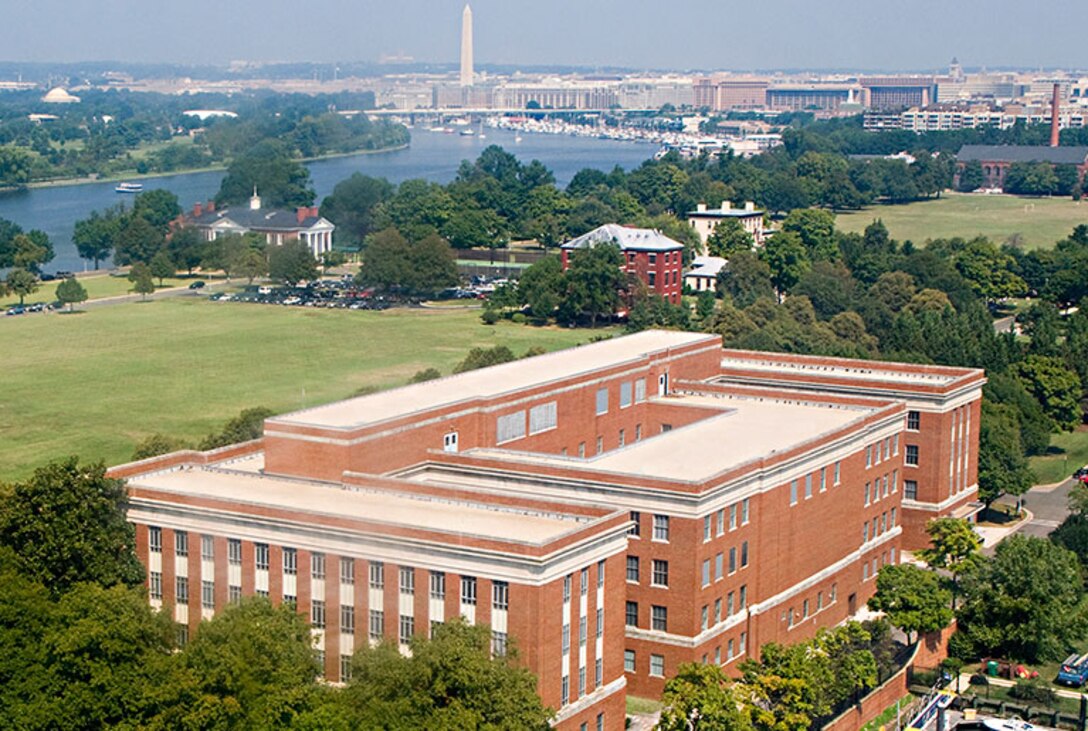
118 177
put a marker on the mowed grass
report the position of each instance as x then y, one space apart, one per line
1040 222
98 286
96 383
1068 451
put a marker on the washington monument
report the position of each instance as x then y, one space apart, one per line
466 46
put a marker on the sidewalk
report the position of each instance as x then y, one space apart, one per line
991 535
965 678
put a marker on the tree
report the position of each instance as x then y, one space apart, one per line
268 169
955 546
137 241
431 265
67 524
729 237
451 681
1002 468
593 283
354 206
1072 534
385 260
251 263
540 286
484 358
71 292
700 696
32 250
787 258
1055 387
971 177
292 263
247 426
1025 602
22 283
816 230
186 248
155 445
162 266
158 207
427 374
912 598
140 276
746 279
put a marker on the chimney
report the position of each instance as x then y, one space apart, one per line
302 214
701 208
727 205
749 206
1055 104
198 209
210 208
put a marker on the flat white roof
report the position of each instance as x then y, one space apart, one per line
492 381
746 428
422 512
860 371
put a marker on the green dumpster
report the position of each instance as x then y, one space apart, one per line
992 668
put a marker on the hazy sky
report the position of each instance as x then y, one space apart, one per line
920 34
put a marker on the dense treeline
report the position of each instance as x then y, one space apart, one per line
112 132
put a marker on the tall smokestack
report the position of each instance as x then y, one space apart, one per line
1055 104
466 46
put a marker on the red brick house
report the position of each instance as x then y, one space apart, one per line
648 254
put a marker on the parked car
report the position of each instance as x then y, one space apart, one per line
16 310
1081 473
198 284
1074 671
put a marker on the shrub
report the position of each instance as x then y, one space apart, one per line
489 316
1034 692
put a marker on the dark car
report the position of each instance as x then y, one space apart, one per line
197 285
1081 473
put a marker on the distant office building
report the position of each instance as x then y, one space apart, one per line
649 255
654 93
704 220
722 93
996 159
814 97
554 93
899 92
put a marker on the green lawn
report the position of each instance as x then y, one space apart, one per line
639 706
97 286
1068 452
97 382
1039 221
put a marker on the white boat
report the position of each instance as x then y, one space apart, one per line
129 188
467 133
1008 724
517 138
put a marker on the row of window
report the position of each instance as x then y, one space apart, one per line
718 565
881 487
715 522
878 526
583 581
882 451
792 617
660 526
582 631
734 602
734 649
564 688
816 478
630 392
730 606
869 568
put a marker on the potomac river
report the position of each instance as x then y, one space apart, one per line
433 156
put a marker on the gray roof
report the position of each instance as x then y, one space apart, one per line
1023 153
628 239
262 219
707 266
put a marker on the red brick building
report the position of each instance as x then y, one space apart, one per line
651 256
617 508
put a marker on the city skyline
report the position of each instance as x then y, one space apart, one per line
609 33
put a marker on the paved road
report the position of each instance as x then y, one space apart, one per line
1048 505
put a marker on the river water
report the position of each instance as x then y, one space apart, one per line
432 155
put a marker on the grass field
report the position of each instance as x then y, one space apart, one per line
95 383
1068 452
1039 221
97 286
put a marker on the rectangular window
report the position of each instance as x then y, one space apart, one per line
819 600
867 493
838 473
635 529
895 445
154 539
708 527
345 668
207 548
600 445
234 551
377 575
804 609
602 401
869 456
347 571
377 624
154 588
564 691
793 492
234 594
718 570
876 453
657 666
438 585
808 486
732 517
317 565
660 574
632 569
581 631
910 489
743 596
744 511
640 390
661 528
631 616
891 521
510 427
887 448
914 420
598 678
290 561
500 595
407 580
628 661
638 432
744 554
659 617
317 614
543 417
865 532
717 610
895 481
498 644
407 629
565 647
347 619
706 572
261 560
721 522
622 438
625 394
581 449
705 617
600 574
181 543
290 599
583 581
566 588
183 635
207 594
600 622
733 559
468 590
911 458
729 607
823 479
181 589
